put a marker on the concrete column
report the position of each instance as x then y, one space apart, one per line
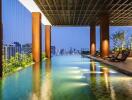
104 36
92 40
1 38
36 36
48 41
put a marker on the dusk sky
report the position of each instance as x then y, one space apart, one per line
17 26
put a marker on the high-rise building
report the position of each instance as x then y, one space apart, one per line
5 51
53 50
27 48
9 51
18 47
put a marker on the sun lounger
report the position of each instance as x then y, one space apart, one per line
124 55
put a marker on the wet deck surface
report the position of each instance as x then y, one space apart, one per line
124 67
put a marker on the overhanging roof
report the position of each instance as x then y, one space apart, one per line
86 12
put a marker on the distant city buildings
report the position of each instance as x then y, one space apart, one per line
10 50
27 48
17 46
53 50
68 51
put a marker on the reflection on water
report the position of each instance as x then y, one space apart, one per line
47 85
42 90
107 84
92 66
100 82
67 78
36 82
0 90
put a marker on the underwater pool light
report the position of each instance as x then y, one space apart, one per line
77 77
81 62
75 72
72 67
100 66
85 70
82 84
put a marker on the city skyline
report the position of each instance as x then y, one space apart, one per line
63 37
10 50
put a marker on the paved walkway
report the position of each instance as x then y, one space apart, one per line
124 67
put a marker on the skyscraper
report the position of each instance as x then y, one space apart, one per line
27 48
10 50
17 47
53 50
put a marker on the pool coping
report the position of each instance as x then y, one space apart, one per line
112 64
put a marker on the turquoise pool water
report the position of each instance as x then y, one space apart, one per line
67 78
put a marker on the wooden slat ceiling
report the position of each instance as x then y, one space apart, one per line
86 12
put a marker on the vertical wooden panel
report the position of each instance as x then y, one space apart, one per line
104 36
36 36
1 38
48 41
92 40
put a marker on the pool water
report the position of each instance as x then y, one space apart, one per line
67 78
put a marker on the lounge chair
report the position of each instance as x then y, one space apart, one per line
115 55
112 56
124 55
97 54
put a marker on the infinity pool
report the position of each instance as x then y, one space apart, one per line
67 78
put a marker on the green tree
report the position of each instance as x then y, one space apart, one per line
17 61
118 40
43 55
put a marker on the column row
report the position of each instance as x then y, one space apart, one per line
104 37
36 38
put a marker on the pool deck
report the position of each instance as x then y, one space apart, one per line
124 67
